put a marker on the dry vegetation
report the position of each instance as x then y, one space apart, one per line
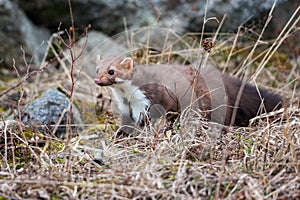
196 160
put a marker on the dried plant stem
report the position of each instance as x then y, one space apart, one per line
28 76
278 41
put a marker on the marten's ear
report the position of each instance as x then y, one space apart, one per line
127 63
98 58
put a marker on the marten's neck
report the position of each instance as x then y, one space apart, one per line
117 75
131 100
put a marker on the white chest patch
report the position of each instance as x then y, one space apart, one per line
131 100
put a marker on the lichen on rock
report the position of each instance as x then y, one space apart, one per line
49 112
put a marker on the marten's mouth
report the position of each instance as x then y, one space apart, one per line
97 81
103 83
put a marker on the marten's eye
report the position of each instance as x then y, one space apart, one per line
97 70
111 72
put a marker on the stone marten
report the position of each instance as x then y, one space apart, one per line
174 87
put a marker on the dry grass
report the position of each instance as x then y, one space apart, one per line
258 162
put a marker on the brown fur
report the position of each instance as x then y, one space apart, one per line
250 102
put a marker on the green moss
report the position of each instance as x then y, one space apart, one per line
3 198
55 197
28 134
20 148
8 78
101 128
55 146
3 88
2 109
247 145
94 129
60 160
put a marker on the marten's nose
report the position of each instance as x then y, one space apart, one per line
97 81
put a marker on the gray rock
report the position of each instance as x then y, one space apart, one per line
15 31
104 15
107 15
47 110
237 12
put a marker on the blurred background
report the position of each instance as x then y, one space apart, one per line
27 24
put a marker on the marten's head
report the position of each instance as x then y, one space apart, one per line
113 71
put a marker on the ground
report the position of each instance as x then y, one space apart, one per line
195 159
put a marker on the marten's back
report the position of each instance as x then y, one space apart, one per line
158 80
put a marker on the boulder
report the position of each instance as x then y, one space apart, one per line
50 110
103 15
17 31
183 16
